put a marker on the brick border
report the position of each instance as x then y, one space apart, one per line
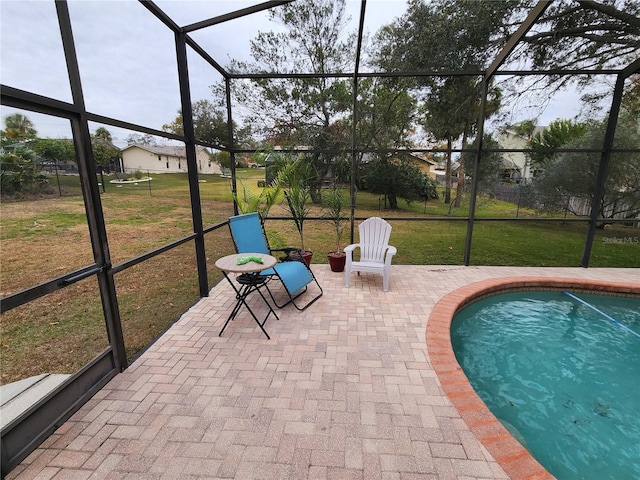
516 461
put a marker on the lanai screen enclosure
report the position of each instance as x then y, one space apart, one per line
194 61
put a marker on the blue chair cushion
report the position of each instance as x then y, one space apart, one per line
294 275
248 234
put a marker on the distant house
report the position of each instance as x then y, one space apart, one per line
425 163
516 164
146 158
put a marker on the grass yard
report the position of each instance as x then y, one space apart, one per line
46 238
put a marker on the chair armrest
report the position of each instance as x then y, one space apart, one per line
351 248
348 250
391 251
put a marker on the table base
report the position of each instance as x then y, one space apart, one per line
249 282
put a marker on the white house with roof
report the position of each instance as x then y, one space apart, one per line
516 163
169 159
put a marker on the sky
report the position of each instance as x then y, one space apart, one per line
127 57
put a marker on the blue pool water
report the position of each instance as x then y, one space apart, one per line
562 377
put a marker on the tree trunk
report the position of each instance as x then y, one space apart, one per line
460 186
315 192
447 172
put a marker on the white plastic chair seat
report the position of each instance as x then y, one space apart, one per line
375 251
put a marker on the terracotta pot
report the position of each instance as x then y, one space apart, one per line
306 256
337 261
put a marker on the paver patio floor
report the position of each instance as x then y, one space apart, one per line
343 390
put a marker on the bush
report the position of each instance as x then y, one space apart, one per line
19 173
10 182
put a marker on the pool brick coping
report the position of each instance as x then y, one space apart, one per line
516 461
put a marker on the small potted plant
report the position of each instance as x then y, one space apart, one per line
333 204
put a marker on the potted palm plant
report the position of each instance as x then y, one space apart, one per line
333 205
293 178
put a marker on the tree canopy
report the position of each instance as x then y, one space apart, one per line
301 112
18 128
558 134
573 174
588 33
58 150
210 125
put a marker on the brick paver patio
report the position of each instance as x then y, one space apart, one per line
344 390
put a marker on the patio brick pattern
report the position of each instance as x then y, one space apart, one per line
343 390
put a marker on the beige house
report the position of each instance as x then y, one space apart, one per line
425 163
146 158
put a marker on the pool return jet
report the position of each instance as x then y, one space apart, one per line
602 313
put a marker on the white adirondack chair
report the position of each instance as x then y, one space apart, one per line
375 251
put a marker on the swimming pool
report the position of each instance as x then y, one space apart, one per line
562 373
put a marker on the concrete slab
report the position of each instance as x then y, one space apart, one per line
17 397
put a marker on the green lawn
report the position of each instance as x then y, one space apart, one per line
45 238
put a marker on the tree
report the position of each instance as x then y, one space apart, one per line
452 110
395 177
302 111
223 159
102 133
210 125
443 35
18 128
573 174
491 164
20 172
56 150
587 34
558 134
105 153
569 35
448 35
596 34
138 139
631 98
386 114
525 128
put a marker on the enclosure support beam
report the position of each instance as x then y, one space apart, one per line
233 15
476 168
605 161
91 192
192 164
535 13
26 432
354 153
231 146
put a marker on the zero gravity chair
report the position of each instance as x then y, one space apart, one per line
249 236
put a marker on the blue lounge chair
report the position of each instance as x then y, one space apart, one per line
249 236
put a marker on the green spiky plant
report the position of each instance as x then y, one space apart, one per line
249 202
333 204
293 178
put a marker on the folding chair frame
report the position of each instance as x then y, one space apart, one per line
295 279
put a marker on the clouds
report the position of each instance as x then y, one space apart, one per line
32 56
127 57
